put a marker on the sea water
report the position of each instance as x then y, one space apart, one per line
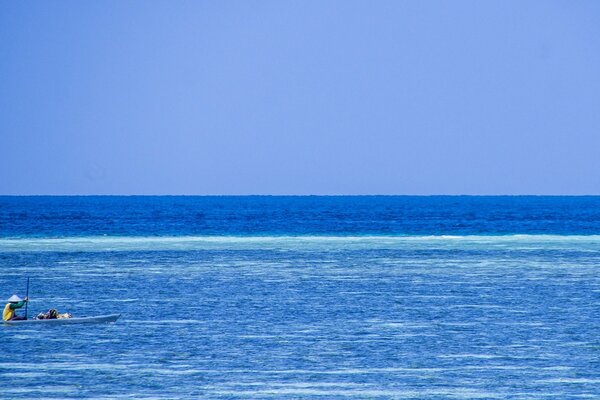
304 297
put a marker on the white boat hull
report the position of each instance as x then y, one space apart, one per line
63 321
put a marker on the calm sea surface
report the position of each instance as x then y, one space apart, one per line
304 297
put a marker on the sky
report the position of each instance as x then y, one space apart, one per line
300 97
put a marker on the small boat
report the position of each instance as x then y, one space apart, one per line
61 321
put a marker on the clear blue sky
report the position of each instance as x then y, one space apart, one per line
300 97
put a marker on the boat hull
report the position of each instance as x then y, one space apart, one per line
65 321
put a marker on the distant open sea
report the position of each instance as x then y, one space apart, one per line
268 297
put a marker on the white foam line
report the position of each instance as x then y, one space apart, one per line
569 380
477 356
363 393
62 366
167 371
13 374
348 371
118 243
315 384
166 321
404 325
42 389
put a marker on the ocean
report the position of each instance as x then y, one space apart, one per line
268 297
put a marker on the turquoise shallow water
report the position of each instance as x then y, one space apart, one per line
304 313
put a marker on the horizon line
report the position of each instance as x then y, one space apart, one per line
299 195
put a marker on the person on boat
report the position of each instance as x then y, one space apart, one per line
14 302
